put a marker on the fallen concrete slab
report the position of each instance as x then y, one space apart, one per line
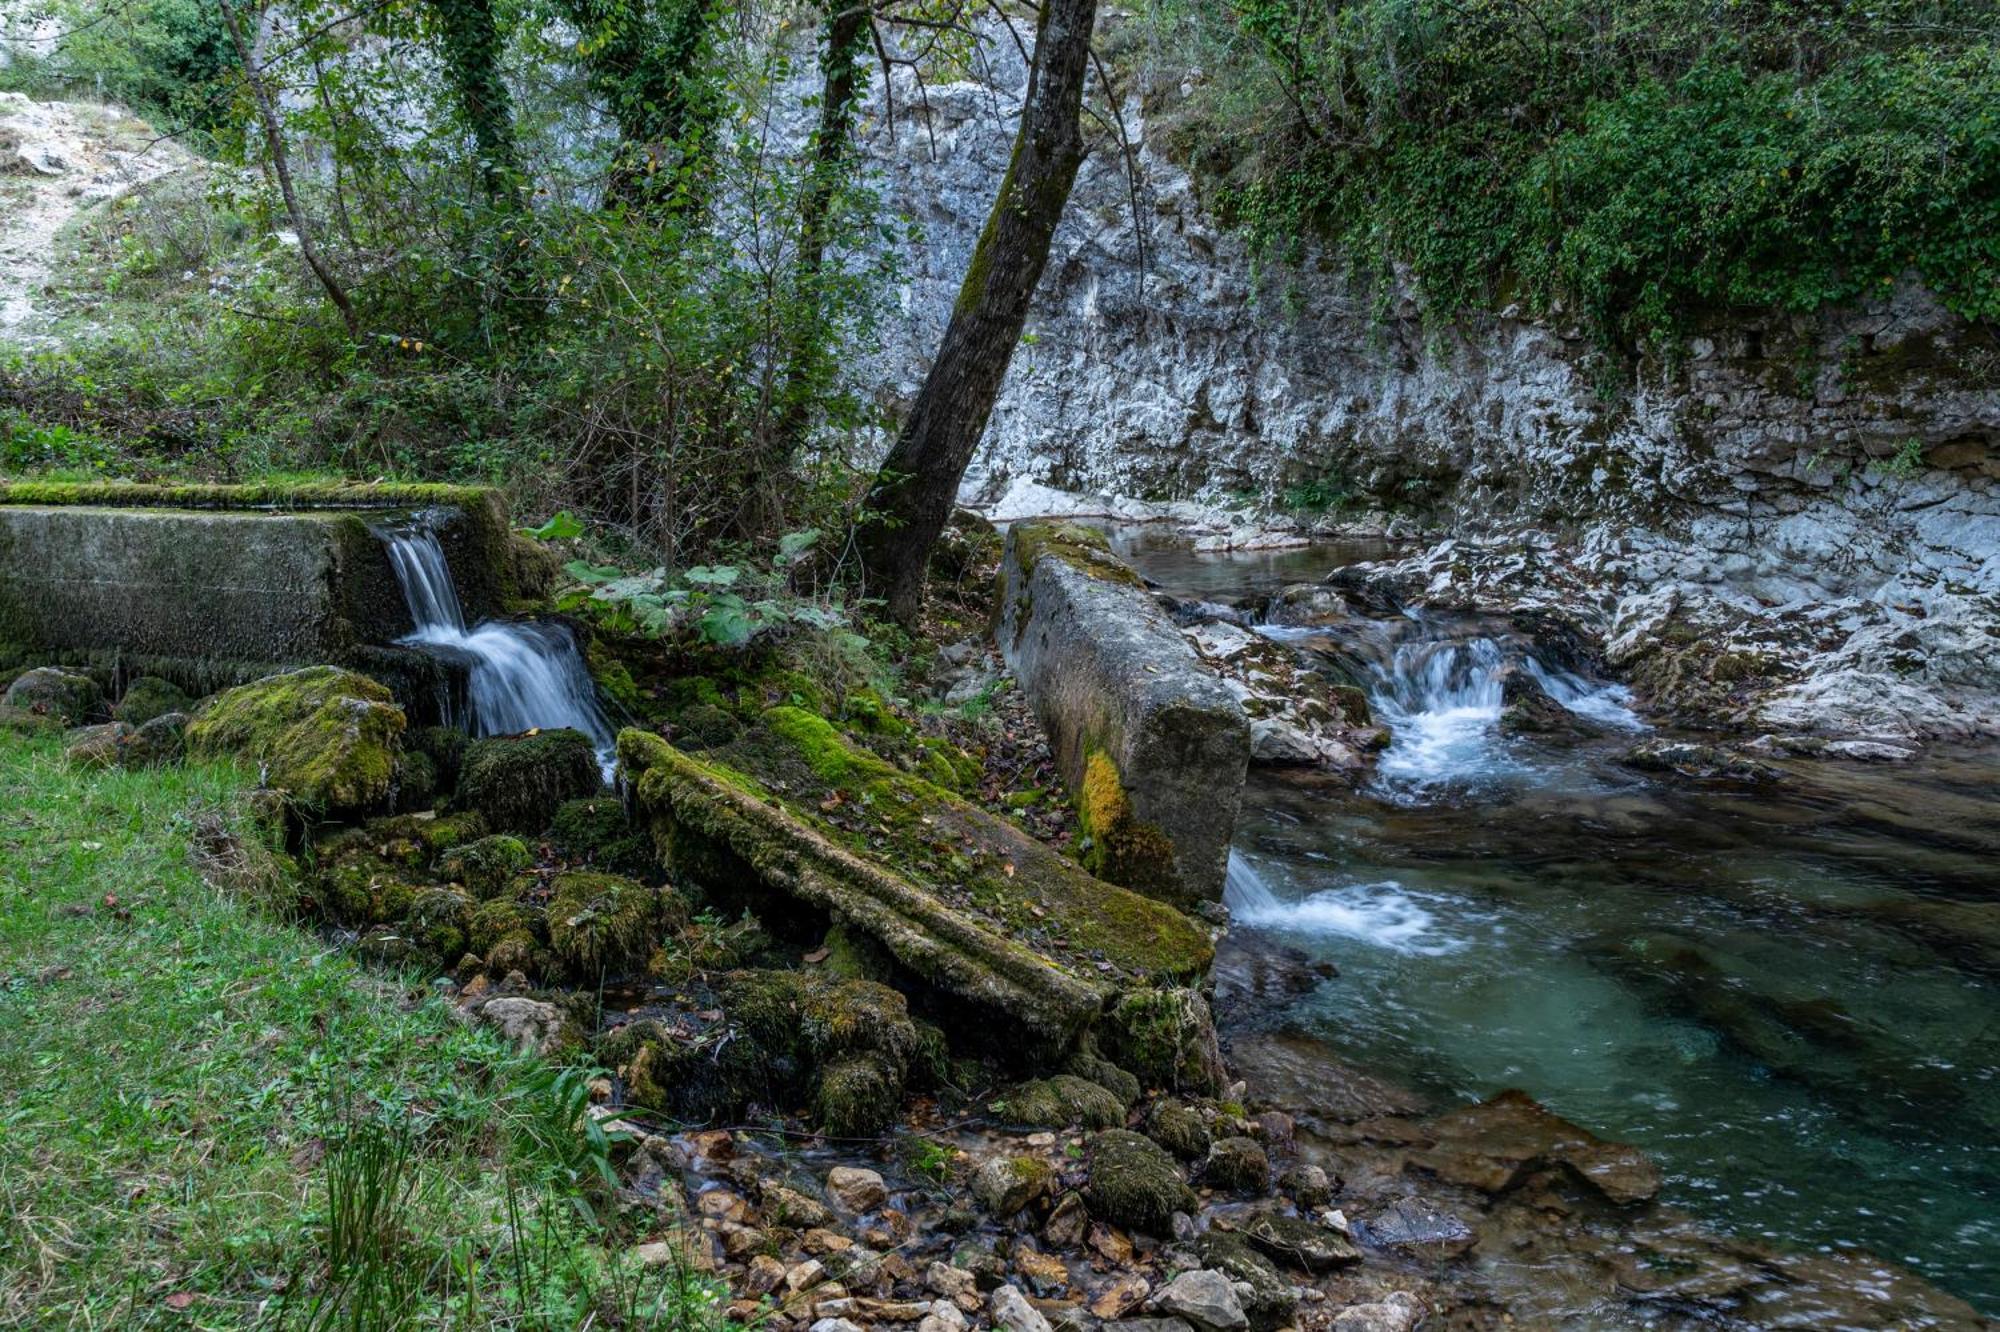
1152 746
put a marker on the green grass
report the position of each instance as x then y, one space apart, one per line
205 1104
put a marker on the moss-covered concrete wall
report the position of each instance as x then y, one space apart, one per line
255 574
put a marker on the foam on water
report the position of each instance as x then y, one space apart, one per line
521 676
1380 914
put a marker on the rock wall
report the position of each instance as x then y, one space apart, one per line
1845 464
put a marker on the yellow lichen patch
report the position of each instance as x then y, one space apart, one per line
1123 847
1084 549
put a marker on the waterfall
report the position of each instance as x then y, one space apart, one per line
520 676
1441 698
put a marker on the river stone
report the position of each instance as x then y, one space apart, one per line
1270 1299
1308 1185
1237 1165
51 692
1421 1228
1147 1325
1206 1299
1399 1311
1012 1312
1063 1100
1006 1184
1152 746
519 782
1299 1242
1179 1129
530 1024
855 1189
1133 1183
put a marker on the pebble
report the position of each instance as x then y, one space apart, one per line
941 1278
856 1190
835 1325
1124 1294
807 1273
766 1274
1012 1311
1206 1299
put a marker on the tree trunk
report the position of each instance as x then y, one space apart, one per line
281 167
917 484
472 46
646 63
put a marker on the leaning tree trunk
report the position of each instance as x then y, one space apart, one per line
281 167
917 484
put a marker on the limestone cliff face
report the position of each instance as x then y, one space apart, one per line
1849 459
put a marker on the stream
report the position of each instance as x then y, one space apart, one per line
1788 995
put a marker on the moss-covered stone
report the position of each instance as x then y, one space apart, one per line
22 721
500 918
71 698
148 697
362 888
1179 1129
160 740
411 840
1135 1184
1062 1101
1237 1165
1084 548
602 924
1270 1302
485 866
595 831
444 746
100 746
519 782
1087 1063
783 1039
1165 1035
328 736
437 923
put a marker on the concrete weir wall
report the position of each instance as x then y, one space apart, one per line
256 577
1152 746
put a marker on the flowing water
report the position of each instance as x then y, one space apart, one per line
1789 996
520 676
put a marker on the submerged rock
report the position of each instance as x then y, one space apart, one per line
1299 1243
329 737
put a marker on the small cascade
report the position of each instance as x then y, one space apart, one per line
1442 695
1381 914
520 676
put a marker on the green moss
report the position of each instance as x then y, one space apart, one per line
484 867
1083 548
1120 846
1179 1129
148 697
444 746
362 888
276 495
1062 1101
595 831
1086 1063
615 679
67 696
1166 1036
502 918
520 782
328 736
601 924
436 923
1135 1184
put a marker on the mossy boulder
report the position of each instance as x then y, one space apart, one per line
519 782
1165 1035
783 1039
148 697
1064 1100
1270 1302
22 721
362 888
437 923
1237 1165
485 866
100 746
161 739
411 840
1179 1129
444 746
602 924
1133 1183
595 831
1087 1063
329 737
51 692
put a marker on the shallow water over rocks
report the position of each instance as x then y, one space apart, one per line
1787 993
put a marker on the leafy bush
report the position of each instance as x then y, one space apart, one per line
1635 164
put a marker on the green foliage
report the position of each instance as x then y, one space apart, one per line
721 605
169 60
1635 164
